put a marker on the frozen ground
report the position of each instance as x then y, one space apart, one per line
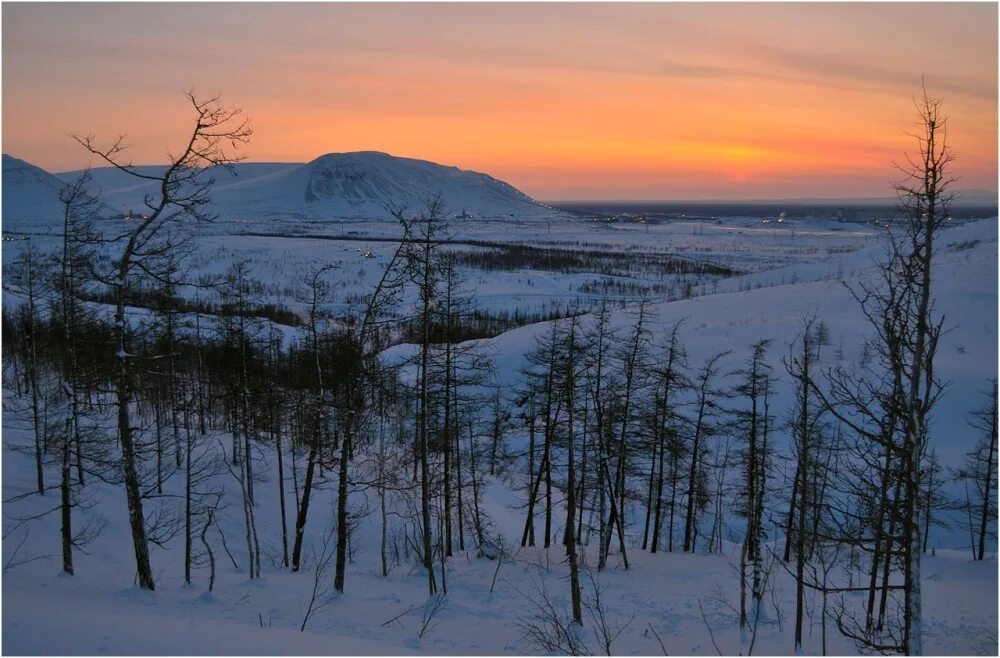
280 254
794 271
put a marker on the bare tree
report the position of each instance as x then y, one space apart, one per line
980 470
545 627
319 595
632 355
671 380
598 338
703 427
805 418
182 193
570 392
27 280
925 197
74 266
241 332
365 374
890 408
315 295
425 272
755 386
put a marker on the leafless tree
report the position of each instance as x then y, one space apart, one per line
182 193
315 294
755 387
424 268
703 426
980 470
319 595
889 407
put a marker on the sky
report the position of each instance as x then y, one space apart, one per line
566 101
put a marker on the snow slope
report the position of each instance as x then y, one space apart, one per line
126 192
337 185
675 596
30 197
772 305
362 184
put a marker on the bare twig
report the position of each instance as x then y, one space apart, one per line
709 627
658 639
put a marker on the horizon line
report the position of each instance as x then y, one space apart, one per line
855 200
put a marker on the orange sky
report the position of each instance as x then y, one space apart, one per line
564 101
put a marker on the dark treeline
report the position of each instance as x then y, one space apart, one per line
158 300
509 256
478 323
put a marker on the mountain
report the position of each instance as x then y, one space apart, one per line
362 184
126 192
337 185
30 197
31 202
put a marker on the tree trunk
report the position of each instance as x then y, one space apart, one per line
990 466
66 504
133 495
188 520
574 569
342 493
303 511
528 538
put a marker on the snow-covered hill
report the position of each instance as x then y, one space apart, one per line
338 185
126 192
363 184
30 197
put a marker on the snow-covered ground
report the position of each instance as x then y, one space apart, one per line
685 600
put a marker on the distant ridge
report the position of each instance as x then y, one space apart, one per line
363 184
31 201
30 195
338 185
963 198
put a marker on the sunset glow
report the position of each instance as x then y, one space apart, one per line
564 101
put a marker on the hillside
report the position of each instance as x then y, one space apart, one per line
126 192
337 185
30 197
363 184
686 601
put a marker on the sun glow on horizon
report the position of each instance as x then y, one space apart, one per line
563 101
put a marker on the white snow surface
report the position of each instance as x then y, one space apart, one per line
337 185
680 596
30 197
793 271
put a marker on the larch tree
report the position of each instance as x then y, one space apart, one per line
980 471
182 192
424 268
891 408
702 427
74 266
755 388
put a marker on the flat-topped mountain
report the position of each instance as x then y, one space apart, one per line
362 185
336 185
